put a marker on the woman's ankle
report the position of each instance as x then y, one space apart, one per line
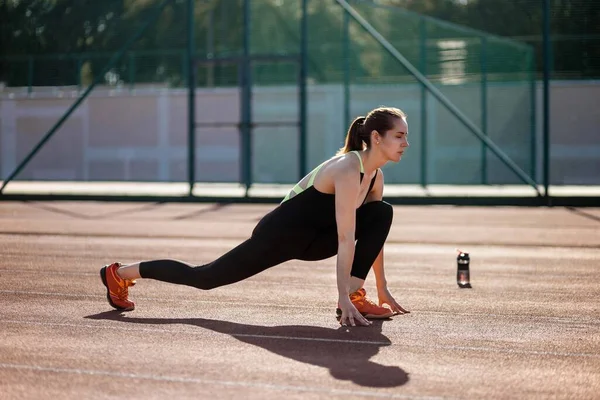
129 272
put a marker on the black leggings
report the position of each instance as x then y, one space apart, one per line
269 246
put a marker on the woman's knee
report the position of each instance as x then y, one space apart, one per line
205 285
380 210
200 281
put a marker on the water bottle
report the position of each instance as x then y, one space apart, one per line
462 270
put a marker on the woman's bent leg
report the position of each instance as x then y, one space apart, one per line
373 222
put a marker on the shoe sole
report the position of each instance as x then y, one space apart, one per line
103 277
338 315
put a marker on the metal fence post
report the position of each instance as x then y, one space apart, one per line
423 65
346 66
246 100
546 98
484 104
303 95
191 62
532 115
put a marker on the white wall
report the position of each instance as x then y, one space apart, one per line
142 135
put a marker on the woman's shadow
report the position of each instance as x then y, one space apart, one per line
345 352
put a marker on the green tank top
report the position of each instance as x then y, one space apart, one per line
297 189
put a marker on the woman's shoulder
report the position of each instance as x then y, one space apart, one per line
350 159
343 167
345 164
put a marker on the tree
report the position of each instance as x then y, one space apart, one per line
85 33
574 27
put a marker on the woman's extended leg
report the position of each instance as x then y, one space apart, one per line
249 258
261 251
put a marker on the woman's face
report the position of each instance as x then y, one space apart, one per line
395 141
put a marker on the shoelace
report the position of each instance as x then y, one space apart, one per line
370 302
123 291
365 299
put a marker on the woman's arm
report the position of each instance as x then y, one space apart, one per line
347 188
380 280
346 191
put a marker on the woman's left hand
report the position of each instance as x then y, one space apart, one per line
385 297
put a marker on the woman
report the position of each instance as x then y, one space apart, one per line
333 210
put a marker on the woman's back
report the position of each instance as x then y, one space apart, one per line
323 177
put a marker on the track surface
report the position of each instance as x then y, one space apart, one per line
529 328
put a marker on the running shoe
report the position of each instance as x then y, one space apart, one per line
117 289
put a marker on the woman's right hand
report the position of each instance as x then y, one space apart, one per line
350 315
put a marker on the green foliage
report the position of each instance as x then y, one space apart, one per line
575 27
66 42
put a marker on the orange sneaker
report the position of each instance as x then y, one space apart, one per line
116 288
366 306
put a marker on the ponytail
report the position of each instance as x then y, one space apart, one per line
354 140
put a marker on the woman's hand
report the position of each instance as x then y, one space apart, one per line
350 315
385 297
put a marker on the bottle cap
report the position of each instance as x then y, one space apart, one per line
462 253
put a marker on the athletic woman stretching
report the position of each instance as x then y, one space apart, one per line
333 210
